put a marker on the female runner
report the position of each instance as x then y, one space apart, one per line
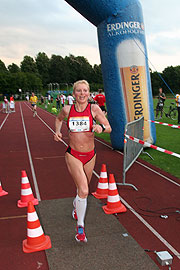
80 155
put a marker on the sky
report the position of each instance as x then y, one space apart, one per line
28 27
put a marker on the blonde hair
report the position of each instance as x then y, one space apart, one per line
80 82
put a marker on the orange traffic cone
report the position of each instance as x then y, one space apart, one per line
2 192
36 240
113 201
26 192
102 187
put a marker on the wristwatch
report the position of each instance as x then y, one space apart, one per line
103 127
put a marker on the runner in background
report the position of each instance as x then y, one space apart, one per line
80 155
33 100
100 99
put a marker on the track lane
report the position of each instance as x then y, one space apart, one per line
13 220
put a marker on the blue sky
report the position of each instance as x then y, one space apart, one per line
31 26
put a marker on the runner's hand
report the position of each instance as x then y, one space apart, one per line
58 136
97 128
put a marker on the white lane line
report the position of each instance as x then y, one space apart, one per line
4 121
173 250
30 159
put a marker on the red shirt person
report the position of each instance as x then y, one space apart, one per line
100 99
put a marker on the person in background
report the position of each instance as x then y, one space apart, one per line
42 100
63 99
6 104
54 110
100 99
70 99
12 104
58 102
178 106
46 103
80 155
160 104
33 100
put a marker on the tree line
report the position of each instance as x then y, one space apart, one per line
36 74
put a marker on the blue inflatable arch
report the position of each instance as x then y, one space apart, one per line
125 69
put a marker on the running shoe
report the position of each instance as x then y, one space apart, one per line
74 214
80 236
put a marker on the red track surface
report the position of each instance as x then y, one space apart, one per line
54 181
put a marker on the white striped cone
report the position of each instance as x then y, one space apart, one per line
2 192
102 187
26 192
114 204
36 240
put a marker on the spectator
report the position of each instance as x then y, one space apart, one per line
42 100
178 106
54 110
12 104
70 99
58 102
100 99
160 104
63 99
6 102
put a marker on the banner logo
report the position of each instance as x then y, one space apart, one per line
125 28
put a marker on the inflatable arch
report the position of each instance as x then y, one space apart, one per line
125 70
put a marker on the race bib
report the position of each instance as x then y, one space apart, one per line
79 124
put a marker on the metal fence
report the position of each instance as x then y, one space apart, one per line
132 149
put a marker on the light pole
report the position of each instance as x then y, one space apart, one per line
20 93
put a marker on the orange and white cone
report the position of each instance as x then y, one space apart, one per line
26 192
36 240
114 204
2 192
102 187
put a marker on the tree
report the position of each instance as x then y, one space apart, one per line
57 71
2 67
34 83
78 68
13 68
97 74
156 82
43 65
29 65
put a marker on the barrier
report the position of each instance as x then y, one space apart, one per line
132 150
152 146
164 124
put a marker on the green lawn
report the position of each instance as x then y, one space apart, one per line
167 138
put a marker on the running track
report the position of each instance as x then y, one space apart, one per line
27 144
